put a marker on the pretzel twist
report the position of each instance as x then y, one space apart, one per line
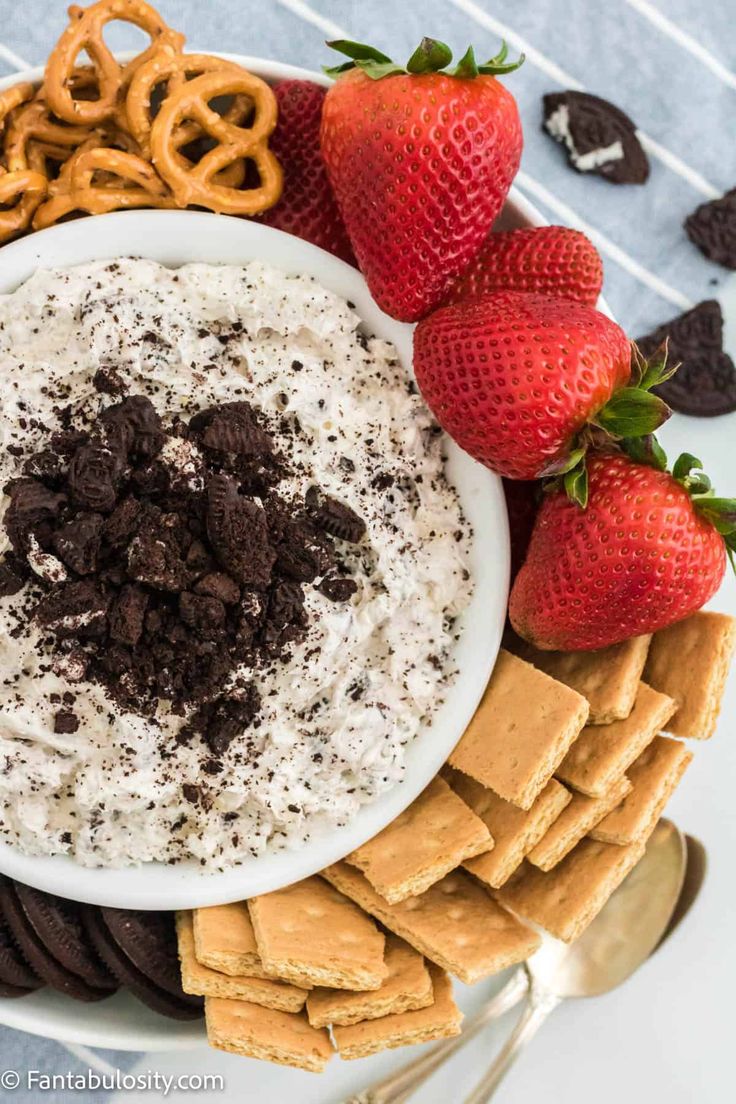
85 32
197 184
125 180
20 195
32 122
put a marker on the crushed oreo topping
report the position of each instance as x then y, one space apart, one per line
167 589
598 136
712 227
705 383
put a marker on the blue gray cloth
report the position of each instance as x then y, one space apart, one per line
679 91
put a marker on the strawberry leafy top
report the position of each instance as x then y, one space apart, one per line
430 56
687 470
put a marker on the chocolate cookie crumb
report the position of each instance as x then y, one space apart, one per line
65 722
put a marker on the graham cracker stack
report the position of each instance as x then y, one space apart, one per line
574 822
408 986
455 923
428 840
515 831
521 731
690 662
310 933
203 982
654 776
601 755
608 678
286 1038
439 1020
565 900
225 941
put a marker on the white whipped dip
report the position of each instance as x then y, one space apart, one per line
337 718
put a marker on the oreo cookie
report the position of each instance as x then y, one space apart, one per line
177 1007
712 227
149 941
704 385
58 925
15 973
41 960
598 136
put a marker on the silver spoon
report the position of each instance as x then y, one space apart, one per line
620 939
399 1086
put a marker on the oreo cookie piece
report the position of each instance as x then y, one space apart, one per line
712 227
15 973
181 1007
598 136
704 385
58 925
39 958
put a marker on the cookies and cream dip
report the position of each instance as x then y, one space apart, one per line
231 563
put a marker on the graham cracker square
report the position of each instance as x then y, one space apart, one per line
310 933
425 842
575 821
690 662
566 899
408 986
514 830
225 941
521 731
454 923
286 1038
439 1020
653 777
203 982
602 754
608 678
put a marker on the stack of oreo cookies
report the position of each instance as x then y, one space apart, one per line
88 953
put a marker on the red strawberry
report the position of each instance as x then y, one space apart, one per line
554 260
514 378
307 207
421 162
645 553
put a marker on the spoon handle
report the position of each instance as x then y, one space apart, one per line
399 1086
536 1011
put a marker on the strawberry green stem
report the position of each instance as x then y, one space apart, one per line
430 56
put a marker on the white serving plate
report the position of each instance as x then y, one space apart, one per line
175 238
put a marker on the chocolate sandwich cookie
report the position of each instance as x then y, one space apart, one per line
149 941
15 974
704 385
59 927
599 137
147 991
712 227
40 958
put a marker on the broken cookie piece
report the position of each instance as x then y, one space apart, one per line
598 136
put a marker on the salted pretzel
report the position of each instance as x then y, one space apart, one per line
196 183
175 69
32 122
20 195
128 181
12 98
85 32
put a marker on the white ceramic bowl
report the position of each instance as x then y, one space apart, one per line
175 238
